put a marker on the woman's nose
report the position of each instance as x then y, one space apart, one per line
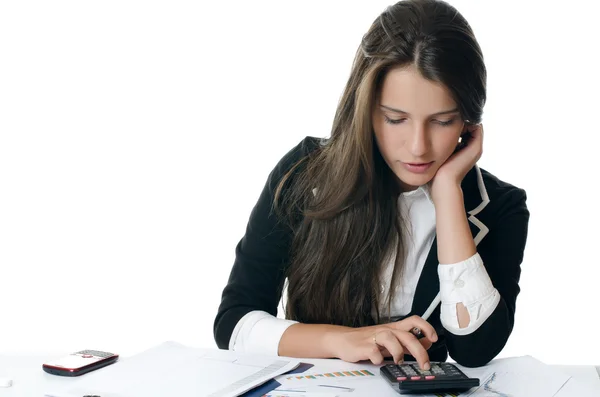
419 145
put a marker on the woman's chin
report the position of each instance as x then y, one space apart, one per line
411 181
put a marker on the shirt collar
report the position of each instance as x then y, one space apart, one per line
421 190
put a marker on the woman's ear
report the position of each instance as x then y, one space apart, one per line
463 140
461 144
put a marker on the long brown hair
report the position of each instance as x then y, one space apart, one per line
344 192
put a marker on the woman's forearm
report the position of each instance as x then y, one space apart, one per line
454 239
310 341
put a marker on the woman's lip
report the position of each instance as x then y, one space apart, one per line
417 168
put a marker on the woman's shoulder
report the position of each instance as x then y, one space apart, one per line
484 190
496 186
304 148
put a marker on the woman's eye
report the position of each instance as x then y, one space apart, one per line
444 123
393 121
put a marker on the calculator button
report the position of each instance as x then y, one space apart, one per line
401 378
429 377
415 378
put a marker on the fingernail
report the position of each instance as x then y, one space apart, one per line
426 367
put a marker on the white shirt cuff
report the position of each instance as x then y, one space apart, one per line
466 282
258 332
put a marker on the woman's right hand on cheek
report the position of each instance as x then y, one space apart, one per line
377 342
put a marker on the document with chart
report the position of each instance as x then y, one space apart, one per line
510 377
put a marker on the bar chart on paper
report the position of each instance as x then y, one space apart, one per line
334 379
338 375
339 382
323 383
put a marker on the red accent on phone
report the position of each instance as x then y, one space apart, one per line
80 363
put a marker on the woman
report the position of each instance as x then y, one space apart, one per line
376 225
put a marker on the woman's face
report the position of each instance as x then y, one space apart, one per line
417 126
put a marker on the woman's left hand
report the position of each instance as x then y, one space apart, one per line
452 172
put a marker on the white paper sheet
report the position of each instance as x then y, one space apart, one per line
586 374
528 377
172 369
514 377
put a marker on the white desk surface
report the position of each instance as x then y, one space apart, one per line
30 380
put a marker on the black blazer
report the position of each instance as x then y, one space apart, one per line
498 218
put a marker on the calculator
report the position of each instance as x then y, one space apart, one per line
408 378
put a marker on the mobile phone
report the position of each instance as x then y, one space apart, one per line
80 363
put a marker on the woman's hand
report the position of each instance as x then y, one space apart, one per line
386 340
453 171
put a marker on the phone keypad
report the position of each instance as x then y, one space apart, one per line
96 353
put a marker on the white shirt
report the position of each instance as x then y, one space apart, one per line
416 208
465 282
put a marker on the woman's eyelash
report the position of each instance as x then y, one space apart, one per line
398 121
445 123
393 121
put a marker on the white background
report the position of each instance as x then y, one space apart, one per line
135 138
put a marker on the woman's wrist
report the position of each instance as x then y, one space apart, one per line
446 191
332 340
312 341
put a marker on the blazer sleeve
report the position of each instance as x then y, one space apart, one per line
261 257
502 252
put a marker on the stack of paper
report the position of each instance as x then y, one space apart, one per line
172 369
